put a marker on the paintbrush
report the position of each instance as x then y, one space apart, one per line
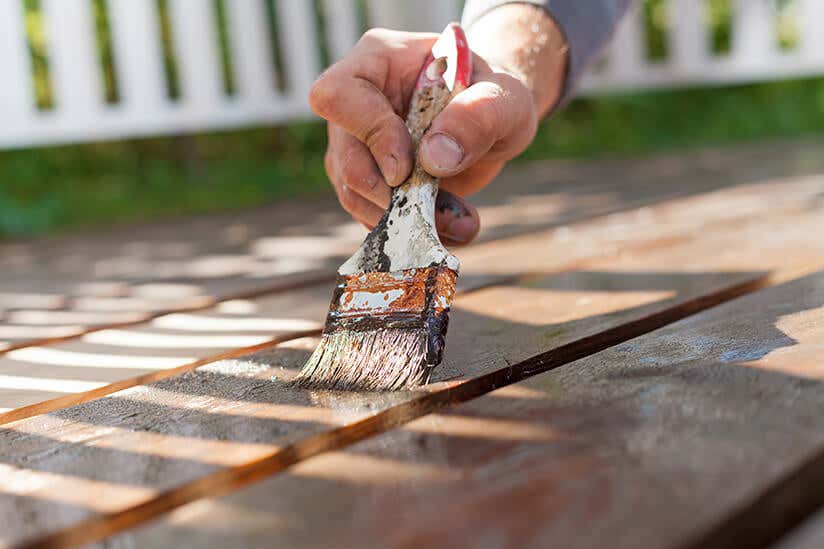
386 326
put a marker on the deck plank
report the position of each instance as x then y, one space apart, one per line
705 433
137 439
44 378
76 283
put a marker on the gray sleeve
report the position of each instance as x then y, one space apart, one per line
586 24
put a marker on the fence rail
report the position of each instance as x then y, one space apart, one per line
272 51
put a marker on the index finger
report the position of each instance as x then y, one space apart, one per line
355 94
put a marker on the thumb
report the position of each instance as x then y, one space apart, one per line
456 219
489 113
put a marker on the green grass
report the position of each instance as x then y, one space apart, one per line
668 120
59 188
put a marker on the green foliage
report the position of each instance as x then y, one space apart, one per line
666 120
45 189
222 23
103 38
36 34
656 21
719 19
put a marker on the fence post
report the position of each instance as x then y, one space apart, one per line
250 50
626 55
811 21
688 37
753 33
194 35
17 94
74 68
420 15
138 57
342 26
300 48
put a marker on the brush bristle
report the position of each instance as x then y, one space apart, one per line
379 360
384 330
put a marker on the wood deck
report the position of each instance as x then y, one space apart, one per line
634 360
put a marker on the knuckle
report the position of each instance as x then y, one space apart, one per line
351 174
380 129
492 114
348 199
329 163
354 169
322 95
373 36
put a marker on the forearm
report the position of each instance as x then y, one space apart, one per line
586 25
523 40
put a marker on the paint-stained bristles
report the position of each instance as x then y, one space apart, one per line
384 331
383 360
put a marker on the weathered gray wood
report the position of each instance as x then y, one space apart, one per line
44 378
39 379
224 256
684 437
229 423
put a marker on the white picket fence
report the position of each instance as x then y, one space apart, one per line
80 112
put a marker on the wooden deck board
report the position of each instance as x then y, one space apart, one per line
43 378
669 440
261 425
61 287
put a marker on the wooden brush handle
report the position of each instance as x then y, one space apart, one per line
440 79
406 237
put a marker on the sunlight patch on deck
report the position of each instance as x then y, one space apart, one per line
43 318
205 450
129 338
51 385
37 332
199 323
62 357
70 489
32 300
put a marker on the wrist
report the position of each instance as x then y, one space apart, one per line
523 41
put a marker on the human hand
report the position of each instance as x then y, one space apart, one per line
364 98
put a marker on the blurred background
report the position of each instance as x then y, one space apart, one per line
117 111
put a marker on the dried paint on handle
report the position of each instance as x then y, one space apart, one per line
406 236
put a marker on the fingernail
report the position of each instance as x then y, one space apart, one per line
442 152
454 219
389 169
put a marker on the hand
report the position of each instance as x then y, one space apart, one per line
364 97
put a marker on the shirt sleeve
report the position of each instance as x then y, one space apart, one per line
587 26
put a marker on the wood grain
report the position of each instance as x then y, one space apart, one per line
105 360
705 433
499 335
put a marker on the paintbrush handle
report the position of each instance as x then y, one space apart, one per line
406 236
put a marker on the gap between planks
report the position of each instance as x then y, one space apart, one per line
418 404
